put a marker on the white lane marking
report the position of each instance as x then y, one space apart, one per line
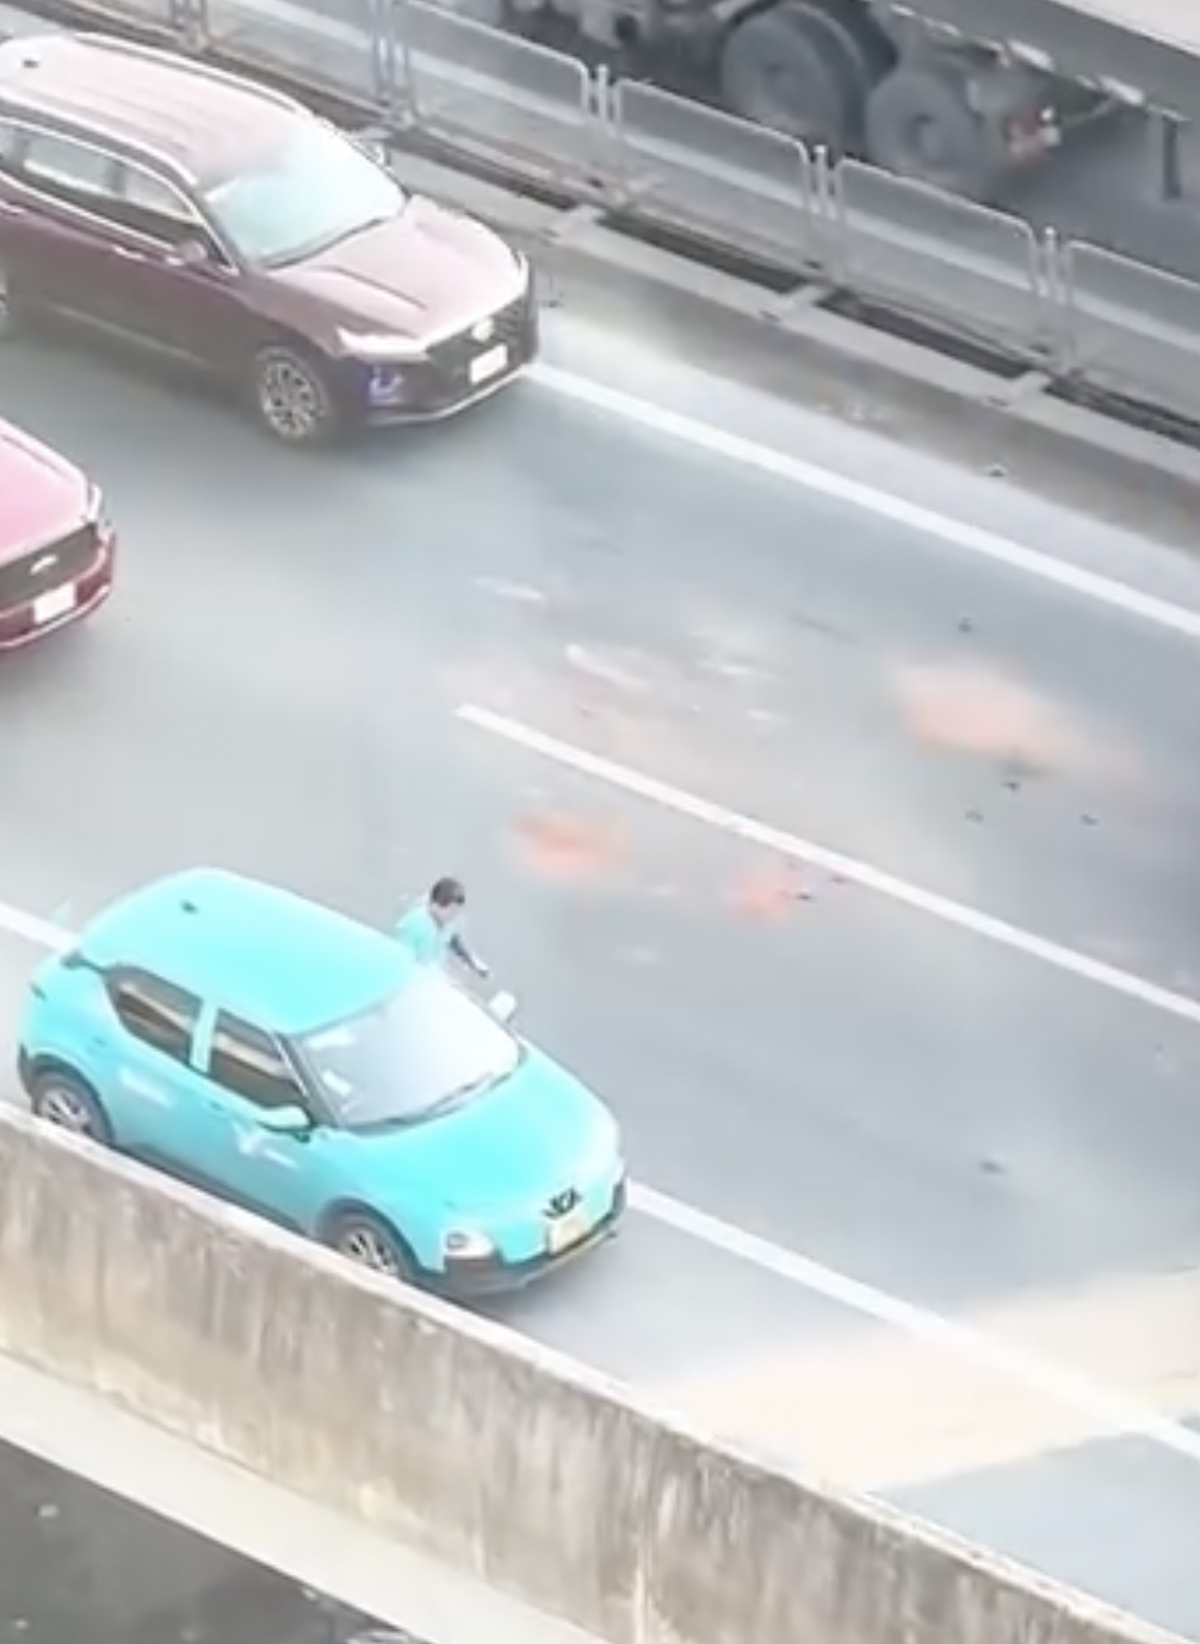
40 933
879 1410
1116 1414
849 868
1108 1410
764 459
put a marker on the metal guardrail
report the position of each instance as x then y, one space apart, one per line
495 95
722 180
937 257
1073 311
1132 330
344 51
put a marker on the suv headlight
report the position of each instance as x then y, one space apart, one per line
467 1244
380 347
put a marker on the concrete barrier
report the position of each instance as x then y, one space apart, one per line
496 1457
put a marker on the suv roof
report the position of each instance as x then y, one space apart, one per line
283 962
200 120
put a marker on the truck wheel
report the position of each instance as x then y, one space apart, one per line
795 70
861 47
875 55
921 125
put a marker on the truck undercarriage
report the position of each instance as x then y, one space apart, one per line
960 94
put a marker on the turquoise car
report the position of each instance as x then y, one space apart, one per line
293 1061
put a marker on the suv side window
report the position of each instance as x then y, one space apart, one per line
250 1064
148 204
154 1012
73 173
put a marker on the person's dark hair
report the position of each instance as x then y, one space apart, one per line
448 893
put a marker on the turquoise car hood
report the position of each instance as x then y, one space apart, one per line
536 1133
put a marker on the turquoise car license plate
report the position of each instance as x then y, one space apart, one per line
567 1231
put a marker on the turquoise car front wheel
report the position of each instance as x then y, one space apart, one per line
62 1098
369 1241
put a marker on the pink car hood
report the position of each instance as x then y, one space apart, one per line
42 495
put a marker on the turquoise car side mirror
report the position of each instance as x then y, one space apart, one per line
286 1121
503 1007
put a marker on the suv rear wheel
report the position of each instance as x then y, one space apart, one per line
292 397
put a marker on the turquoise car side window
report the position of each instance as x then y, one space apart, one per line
249 1063
154 1012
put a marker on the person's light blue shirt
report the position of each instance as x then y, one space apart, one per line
425 939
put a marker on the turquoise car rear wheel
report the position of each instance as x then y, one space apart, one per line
62 1098
369 1241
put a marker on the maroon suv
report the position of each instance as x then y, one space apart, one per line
208 219
56 547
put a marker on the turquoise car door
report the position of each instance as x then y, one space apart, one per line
246 1077
143 1052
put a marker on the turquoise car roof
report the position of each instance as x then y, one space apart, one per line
274 958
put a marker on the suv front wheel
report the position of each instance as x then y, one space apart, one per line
294 401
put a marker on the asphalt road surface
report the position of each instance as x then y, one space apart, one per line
81 1566
1000 1132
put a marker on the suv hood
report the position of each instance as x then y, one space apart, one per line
42 495
424 272
511 1149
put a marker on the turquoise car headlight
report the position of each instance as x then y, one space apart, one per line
467 1244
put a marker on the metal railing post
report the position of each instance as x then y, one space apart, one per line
831 235
383 80
189 20
1055 287
605 116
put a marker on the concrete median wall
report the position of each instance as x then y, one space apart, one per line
494 1456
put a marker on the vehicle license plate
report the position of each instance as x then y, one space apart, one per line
567 1231
53 605
488 365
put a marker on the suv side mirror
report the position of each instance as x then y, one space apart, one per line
191 253
291 1120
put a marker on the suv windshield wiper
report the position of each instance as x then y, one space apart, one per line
318 248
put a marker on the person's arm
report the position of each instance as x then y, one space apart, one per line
463 954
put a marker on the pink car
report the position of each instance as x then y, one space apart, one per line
56 546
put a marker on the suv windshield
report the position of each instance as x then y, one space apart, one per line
426 1048
316 190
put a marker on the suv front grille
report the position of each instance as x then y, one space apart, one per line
510 322
49 566
510 326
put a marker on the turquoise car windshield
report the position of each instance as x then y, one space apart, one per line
312 193
425 1049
